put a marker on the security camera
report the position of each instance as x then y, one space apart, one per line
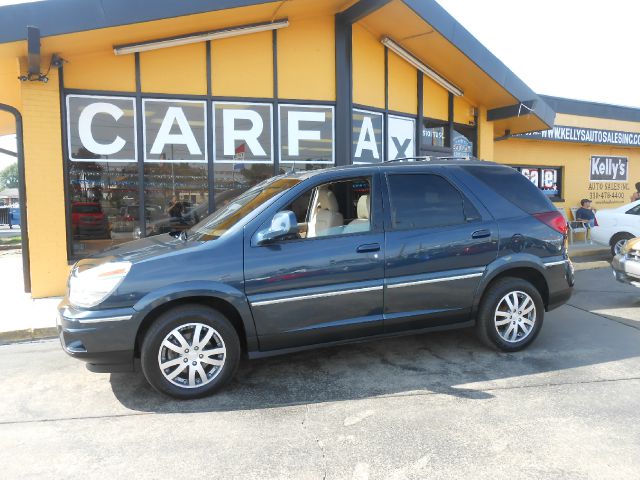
57 61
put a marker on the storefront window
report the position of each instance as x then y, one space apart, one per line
463 141
176 196
233 179
243 148
299 167
367 137
104 204
102 172
547 179
435 134
306 136
104 160
401 136
175 165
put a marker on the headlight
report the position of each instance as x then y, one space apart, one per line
632 244
87 288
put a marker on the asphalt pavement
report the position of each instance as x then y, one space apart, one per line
6 232
427 406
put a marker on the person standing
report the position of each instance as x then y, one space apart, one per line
636 195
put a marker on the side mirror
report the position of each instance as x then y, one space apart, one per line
282 224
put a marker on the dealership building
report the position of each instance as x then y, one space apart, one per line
134 121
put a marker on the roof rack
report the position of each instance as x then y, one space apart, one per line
427 158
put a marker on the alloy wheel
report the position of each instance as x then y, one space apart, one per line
619 245
515 316
192 355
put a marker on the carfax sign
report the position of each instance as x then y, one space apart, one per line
608 168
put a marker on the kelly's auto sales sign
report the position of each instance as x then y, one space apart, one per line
608 168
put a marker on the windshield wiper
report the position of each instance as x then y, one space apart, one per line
181 234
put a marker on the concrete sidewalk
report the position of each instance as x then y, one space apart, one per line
25 319
22 317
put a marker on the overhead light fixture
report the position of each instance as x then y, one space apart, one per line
435 76
199 37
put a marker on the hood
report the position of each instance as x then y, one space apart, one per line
143 249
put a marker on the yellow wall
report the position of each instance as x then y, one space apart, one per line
435 99
306 60
485 136
44 185
592 122
403 85
463 111
100 71
368 68
243 66
575 159
178 70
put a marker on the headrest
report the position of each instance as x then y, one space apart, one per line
363 207
327 200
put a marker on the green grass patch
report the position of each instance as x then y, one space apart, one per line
11 241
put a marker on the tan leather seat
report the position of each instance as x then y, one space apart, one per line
326 216
362 223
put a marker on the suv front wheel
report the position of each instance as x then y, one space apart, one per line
190 352
510 315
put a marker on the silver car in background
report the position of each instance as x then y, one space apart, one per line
626 264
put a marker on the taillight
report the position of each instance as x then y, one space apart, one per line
554 220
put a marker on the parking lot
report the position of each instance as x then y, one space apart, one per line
428 406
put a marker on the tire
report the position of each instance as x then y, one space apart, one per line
496 323
618 241
170 340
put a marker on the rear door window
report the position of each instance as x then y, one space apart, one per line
513 186
426 201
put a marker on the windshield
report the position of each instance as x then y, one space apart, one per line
217 224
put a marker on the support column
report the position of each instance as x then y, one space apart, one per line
344 91
44 183
485 136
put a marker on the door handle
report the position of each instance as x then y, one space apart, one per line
481 234
368 247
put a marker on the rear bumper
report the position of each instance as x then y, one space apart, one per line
626 270
560 277
103 339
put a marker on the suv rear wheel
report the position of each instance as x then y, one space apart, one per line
511 314
190 352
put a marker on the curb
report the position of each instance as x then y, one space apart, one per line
28 335
17 246
604 253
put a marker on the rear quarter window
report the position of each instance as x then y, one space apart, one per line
514 187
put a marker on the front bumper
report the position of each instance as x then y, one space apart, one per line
626 269
104 339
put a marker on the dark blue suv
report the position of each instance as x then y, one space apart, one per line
321 258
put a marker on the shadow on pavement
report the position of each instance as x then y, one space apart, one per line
439 363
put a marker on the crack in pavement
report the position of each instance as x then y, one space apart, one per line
320 445
610 318
316 441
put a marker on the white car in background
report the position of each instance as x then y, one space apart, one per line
616 226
